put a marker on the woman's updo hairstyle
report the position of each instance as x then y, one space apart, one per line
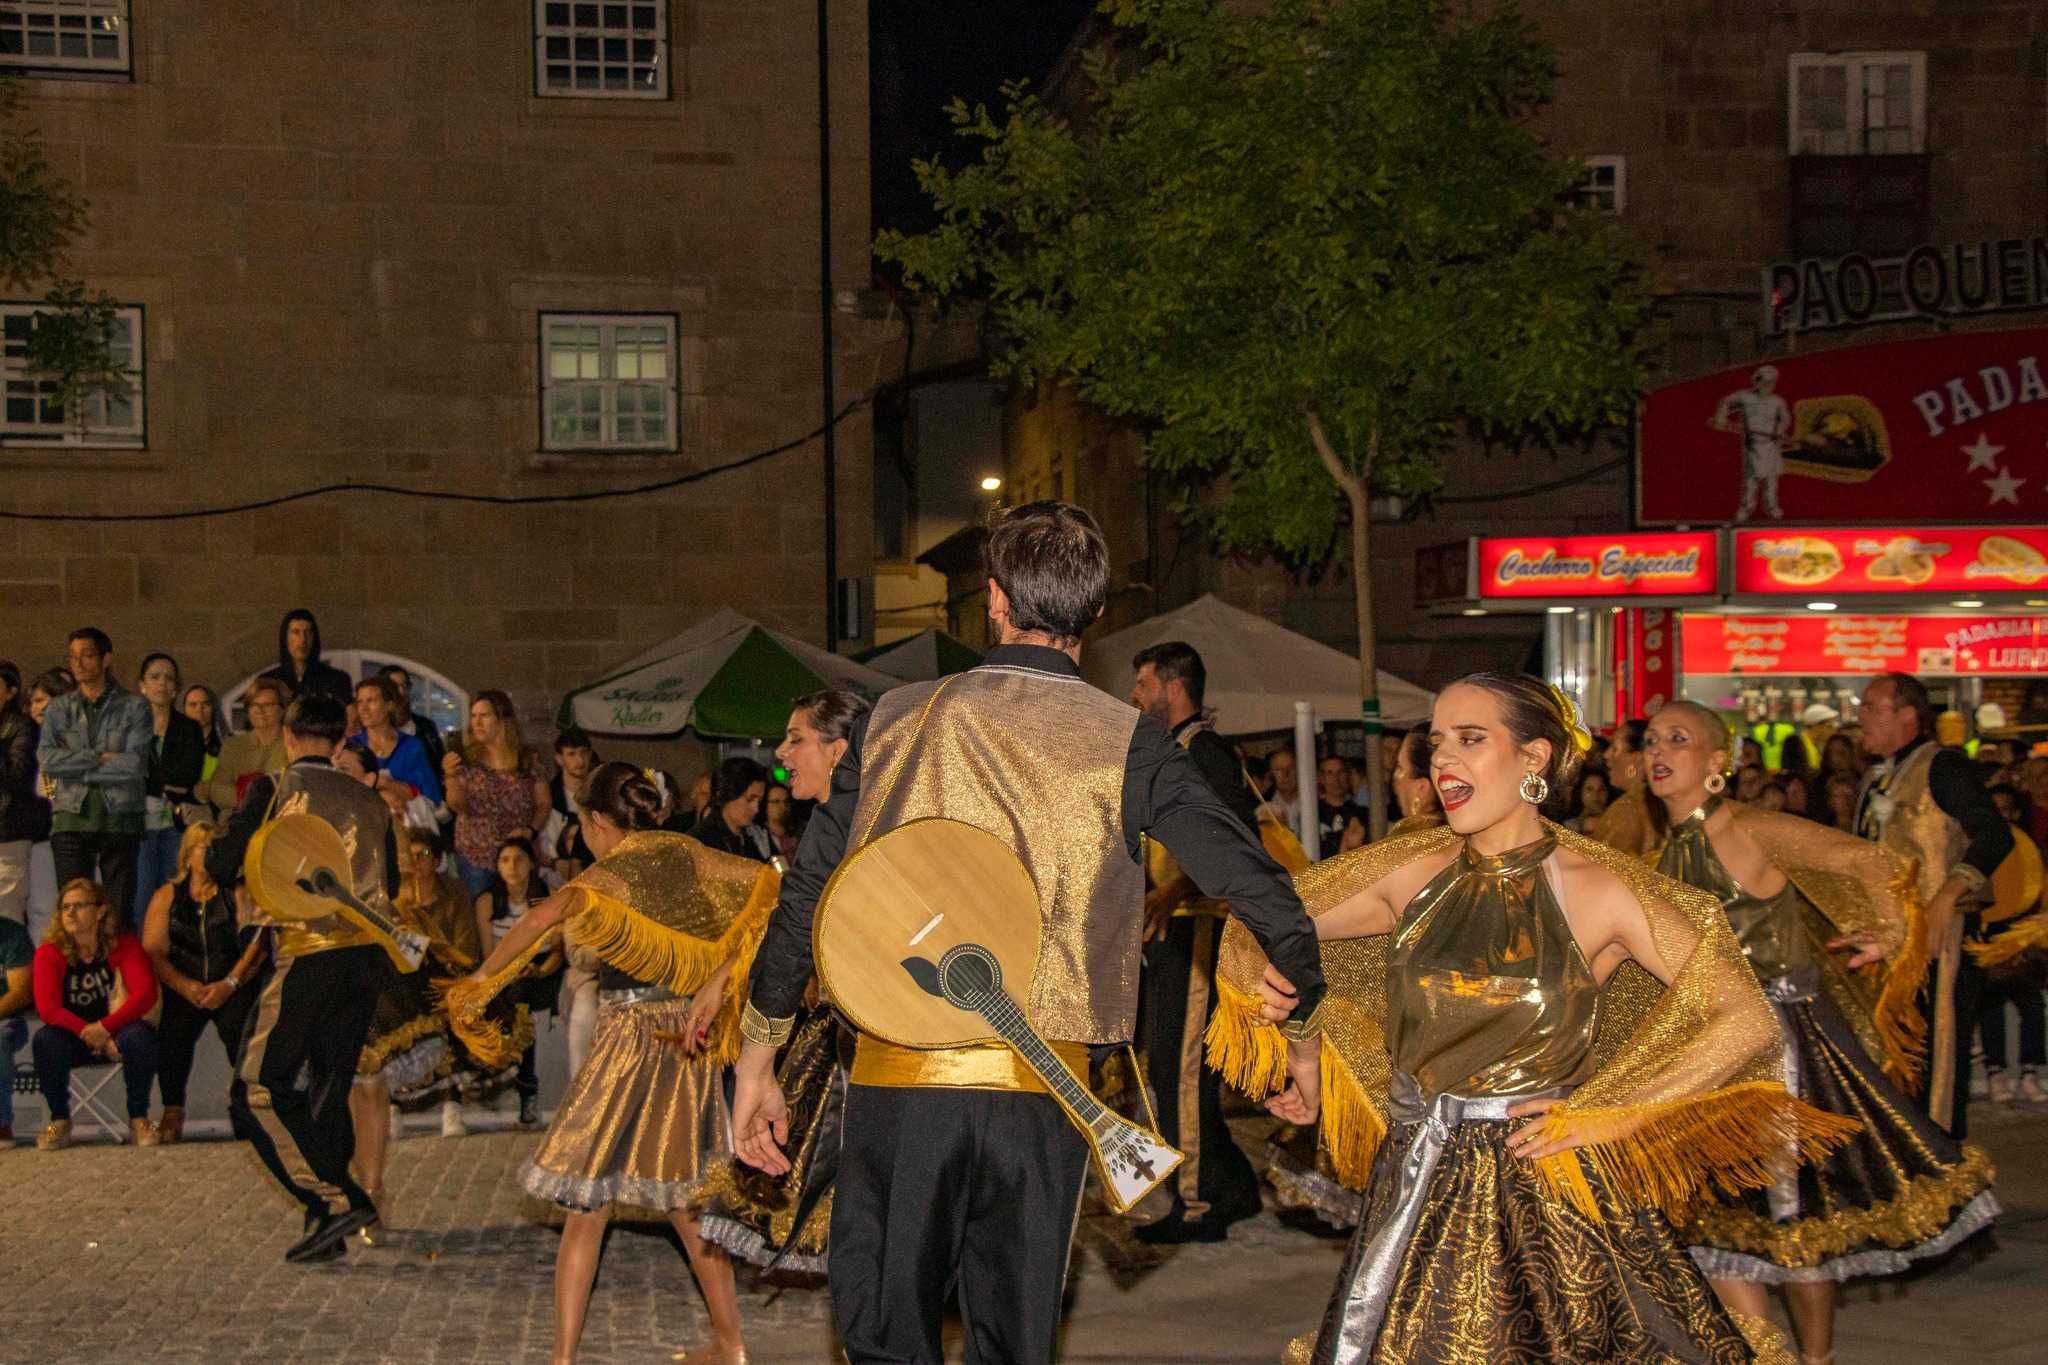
1533 710
626 796
832 712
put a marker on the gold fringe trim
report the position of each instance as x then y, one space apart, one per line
1901 1026
380 1050
1670 1154
1919 1214
1766 1342
466 1002
1251 1055
2026 935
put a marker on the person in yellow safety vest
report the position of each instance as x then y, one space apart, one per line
1773 735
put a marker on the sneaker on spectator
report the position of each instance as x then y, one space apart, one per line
451 1119
1998 1087
56 1136
529 1111
1980 1086
2031 1090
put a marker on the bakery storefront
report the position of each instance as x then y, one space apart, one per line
1803 525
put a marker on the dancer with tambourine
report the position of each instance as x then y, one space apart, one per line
962 1165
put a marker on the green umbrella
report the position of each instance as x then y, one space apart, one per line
726 678
929 654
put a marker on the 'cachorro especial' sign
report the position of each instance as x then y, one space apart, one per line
1646 564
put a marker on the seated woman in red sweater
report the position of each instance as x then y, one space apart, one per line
93 986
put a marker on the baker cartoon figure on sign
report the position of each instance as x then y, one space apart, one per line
1765 423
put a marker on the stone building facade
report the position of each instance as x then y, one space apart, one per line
513 248
1728 138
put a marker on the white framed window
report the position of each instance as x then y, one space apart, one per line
601 49
1857 103
434 695
64 35
30 416
1604 186
608 381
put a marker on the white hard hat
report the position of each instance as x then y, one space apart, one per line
1991 716
1818 714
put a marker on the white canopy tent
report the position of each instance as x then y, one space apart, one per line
1257 670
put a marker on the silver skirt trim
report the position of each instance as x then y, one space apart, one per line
747 1244
1717 1264
587 1195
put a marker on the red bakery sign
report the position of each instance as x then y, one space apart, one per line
1652 564
1950 427
1823 643
1951 561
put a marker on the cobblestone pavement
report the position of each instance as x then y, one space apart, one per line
176 1255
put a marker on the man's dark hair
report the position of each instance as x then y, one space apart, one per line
317 716
1910 692
735 775
1050 559
98 638
382 686
573 738
284 631
1175 660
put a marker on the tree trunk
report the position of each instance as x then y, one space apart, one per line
1357 489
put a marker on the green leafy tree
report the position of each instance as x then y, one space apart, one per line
1308 244
69 349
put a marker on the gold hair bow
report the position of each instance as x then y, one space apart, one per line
1582 738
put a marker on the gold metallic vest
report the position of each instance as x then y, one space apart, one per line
1918 828
359 815
1036 759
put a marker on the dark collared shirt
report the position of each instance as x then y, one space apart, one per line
1164 795
1220 768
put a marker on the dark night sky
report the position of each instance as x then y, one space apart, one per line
924 52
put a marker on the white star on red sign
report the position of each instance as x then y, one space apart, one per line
1983 454
2004 488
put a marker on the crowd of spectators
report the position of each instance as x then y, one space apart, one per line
118 950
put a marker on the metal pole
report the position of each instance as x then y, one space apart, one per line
825 306
1310 827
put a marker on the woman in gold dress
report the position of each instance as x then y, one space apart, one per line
645 1120
1625 824
1502 969
1812 907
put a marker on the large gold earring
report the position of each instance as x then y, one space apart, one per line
1535 788
1716 783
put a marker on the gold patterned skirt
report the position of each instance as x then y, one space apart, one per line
641 1123
753 1215
1500 1272
1899 1190
408 1045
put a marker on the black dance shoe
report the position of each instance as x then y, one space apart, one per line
328 1234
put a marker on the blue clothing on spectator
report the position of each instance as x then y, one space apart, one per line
408 763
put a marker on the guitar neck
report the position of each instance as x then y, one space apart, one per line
1009 1021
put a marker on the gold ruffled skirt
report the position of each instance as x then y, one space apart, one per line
641 1124
407 1047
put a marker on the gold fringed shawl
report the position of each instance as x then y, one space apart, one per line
1857 885
660 907
1625 825
2027 934
1685 1093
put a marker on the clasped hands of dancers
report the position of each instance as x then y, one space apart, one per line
1559 1077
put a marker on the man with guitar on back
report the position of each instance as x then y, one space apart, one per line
311 1017
959 1171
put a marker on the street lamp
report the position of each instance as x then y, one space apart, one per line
990 483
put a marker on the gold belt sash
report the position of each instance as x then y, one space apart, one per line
983 1066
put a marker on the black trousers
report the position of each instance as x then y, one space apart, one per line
1178 995
945 1192
108 859
178 1031
311 1018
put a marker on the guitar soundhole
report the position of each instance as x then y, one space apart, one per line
970 976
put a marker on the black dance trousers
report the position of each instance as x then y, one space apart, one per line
947 1192
1177 997
178 1034
298 1062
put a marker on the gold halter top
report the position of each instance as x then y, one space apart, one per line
1487 991
1771 929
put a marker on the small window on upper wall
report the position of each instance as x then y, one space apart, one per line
1604 186
1858 103
608 382
31 415
57 37
601 49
